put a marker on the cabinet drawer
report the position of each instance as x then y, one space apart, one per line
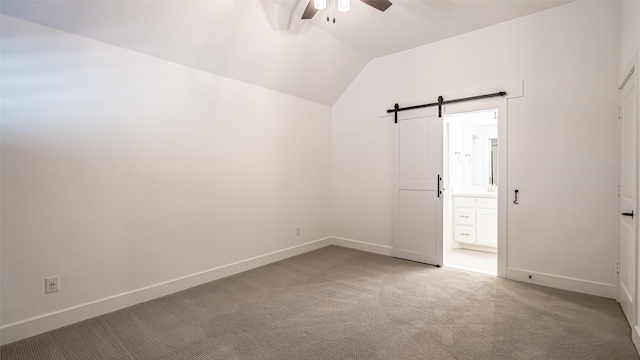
465 234
462 201
488 203
465 216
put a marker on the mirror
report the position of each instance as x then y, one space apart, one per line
494 161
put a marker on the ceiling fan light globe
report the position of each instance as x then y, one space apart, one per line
320 4
344 5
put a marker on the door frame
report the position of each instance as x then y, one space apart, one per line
502 106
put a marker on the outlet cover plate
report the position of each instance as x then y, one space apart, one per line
51 284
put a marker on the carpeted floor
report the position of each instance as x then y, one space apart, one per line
337 303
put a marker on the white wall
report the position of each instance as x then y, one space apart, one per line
629 31
121 171
562 138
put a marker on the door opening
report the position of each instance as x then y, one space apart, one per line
470 219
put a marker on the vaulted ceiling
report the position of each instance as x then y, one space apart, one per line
265 42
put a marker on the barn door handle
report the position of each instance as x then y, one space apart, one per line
628 214
439 180
516 200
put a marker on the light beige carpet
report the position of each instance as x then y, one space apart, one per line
337 303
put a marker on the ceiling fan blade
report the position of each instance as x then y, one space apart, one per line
309 11
381 5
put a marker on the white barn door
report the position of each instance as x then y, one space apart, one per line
418 200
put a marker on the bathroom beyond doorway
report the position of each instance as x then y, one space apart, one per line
470 221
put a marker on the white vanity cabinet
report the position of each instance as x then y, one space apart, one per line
476 220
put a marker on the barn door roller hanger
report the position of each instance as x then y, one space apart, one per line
441 101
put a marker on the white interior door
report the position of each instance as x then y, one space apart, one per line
627 266
417 220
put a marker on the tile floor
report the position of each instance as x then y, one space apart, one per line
471 260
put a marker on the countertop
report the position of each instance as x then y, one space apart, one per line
476 194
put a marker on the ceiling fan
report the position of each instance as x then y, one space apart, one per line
314 5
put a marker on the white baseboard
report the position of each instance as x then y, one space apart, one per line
40 324
562 282
635 336
363 246
26 328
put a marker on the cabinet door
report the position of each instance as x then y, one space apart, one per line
487 220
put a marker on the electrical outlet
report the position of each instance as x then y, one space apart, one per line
51 284
297 230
